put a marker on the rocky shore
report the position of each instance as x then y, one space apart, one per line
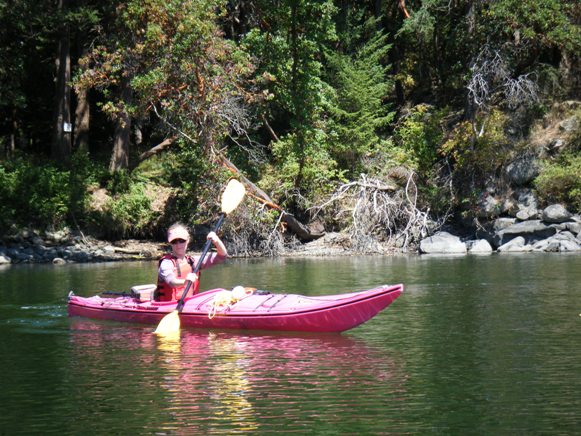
552 229
68 247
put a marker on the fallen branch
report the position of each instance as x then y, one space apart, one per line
299 229
379 211
157 149
273 135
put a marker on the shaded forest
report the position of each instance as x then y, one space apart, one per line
382 120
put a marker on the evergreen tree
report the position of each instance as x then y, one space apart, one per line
359 115
289 47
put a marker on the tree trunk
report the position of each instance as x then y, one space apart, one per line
120 156
82 121
61 144
11 145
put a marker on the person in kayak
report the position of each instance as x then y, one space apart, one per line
176 268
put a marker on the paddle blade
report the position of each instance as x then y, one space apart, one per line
233 195
169 324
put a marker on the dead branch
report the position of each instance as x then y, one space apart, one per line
378 211
403 8
299 229
157 149
267 125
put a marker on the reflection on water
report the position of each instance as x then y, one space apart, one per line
475 345
231 381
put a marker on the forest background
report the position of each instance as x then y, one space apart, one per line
380 120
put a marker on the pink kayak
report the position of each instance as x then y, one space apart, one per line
258 311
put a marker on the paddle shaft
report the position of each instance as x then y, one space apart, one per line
197 268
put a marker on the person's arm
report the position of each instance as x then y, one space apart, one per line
166 273
220 247
213 258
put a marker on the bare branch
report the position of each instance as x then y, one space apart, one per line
379 211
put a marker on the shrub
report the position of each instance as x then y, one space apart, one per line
560 181
419 134
128 214
33 194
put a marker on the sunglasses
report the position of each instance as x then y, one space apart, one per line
177 241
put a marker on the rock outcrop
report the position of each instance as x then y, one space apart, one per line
557 231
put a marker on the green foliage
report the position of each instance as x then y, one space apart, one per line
290 51
475 160
42 195
436 43
316 171
84 174
177 63
560 181
419 135
33 194
474 154
194 180
129 213
358 113
537 23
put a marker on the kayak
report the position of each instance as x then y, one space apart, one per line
256 310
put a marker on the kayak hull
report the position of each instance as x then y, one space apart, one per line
274 312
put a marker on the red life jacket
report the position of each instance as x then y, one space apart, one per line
165 292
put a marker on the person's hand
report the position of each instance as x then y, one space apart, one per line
192 277
213 236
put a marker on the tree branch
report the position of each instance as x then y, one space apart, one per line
157 149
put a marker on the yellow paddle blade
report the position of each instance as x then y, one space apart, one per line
169 324
233 195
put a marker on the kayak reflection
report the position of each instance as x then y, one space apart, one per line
209 381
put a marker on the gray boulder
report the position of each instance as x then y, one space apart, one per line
442 243
527 214
503 223
561 242
522 170
572 226
488 206
569 125
532 230
480 246
556 213
515 245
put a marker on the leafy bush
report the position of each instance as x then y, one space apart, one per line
33 194
84 173
419 134
476 158
301 169
194 178
130 213
560 181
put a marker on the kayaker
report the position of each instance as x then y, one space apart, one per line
176 268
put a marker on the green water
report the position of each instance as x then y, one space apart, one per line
475 345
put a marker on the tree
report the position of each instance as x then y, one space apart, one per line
26 90
168 59
358 113
289 46
62 131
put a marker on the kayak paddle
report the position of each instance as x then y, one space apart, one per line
231 198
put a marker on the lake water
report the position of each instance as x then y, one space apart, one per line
475 345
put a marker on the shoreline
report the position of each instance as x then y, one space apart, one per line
556 231
98 251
